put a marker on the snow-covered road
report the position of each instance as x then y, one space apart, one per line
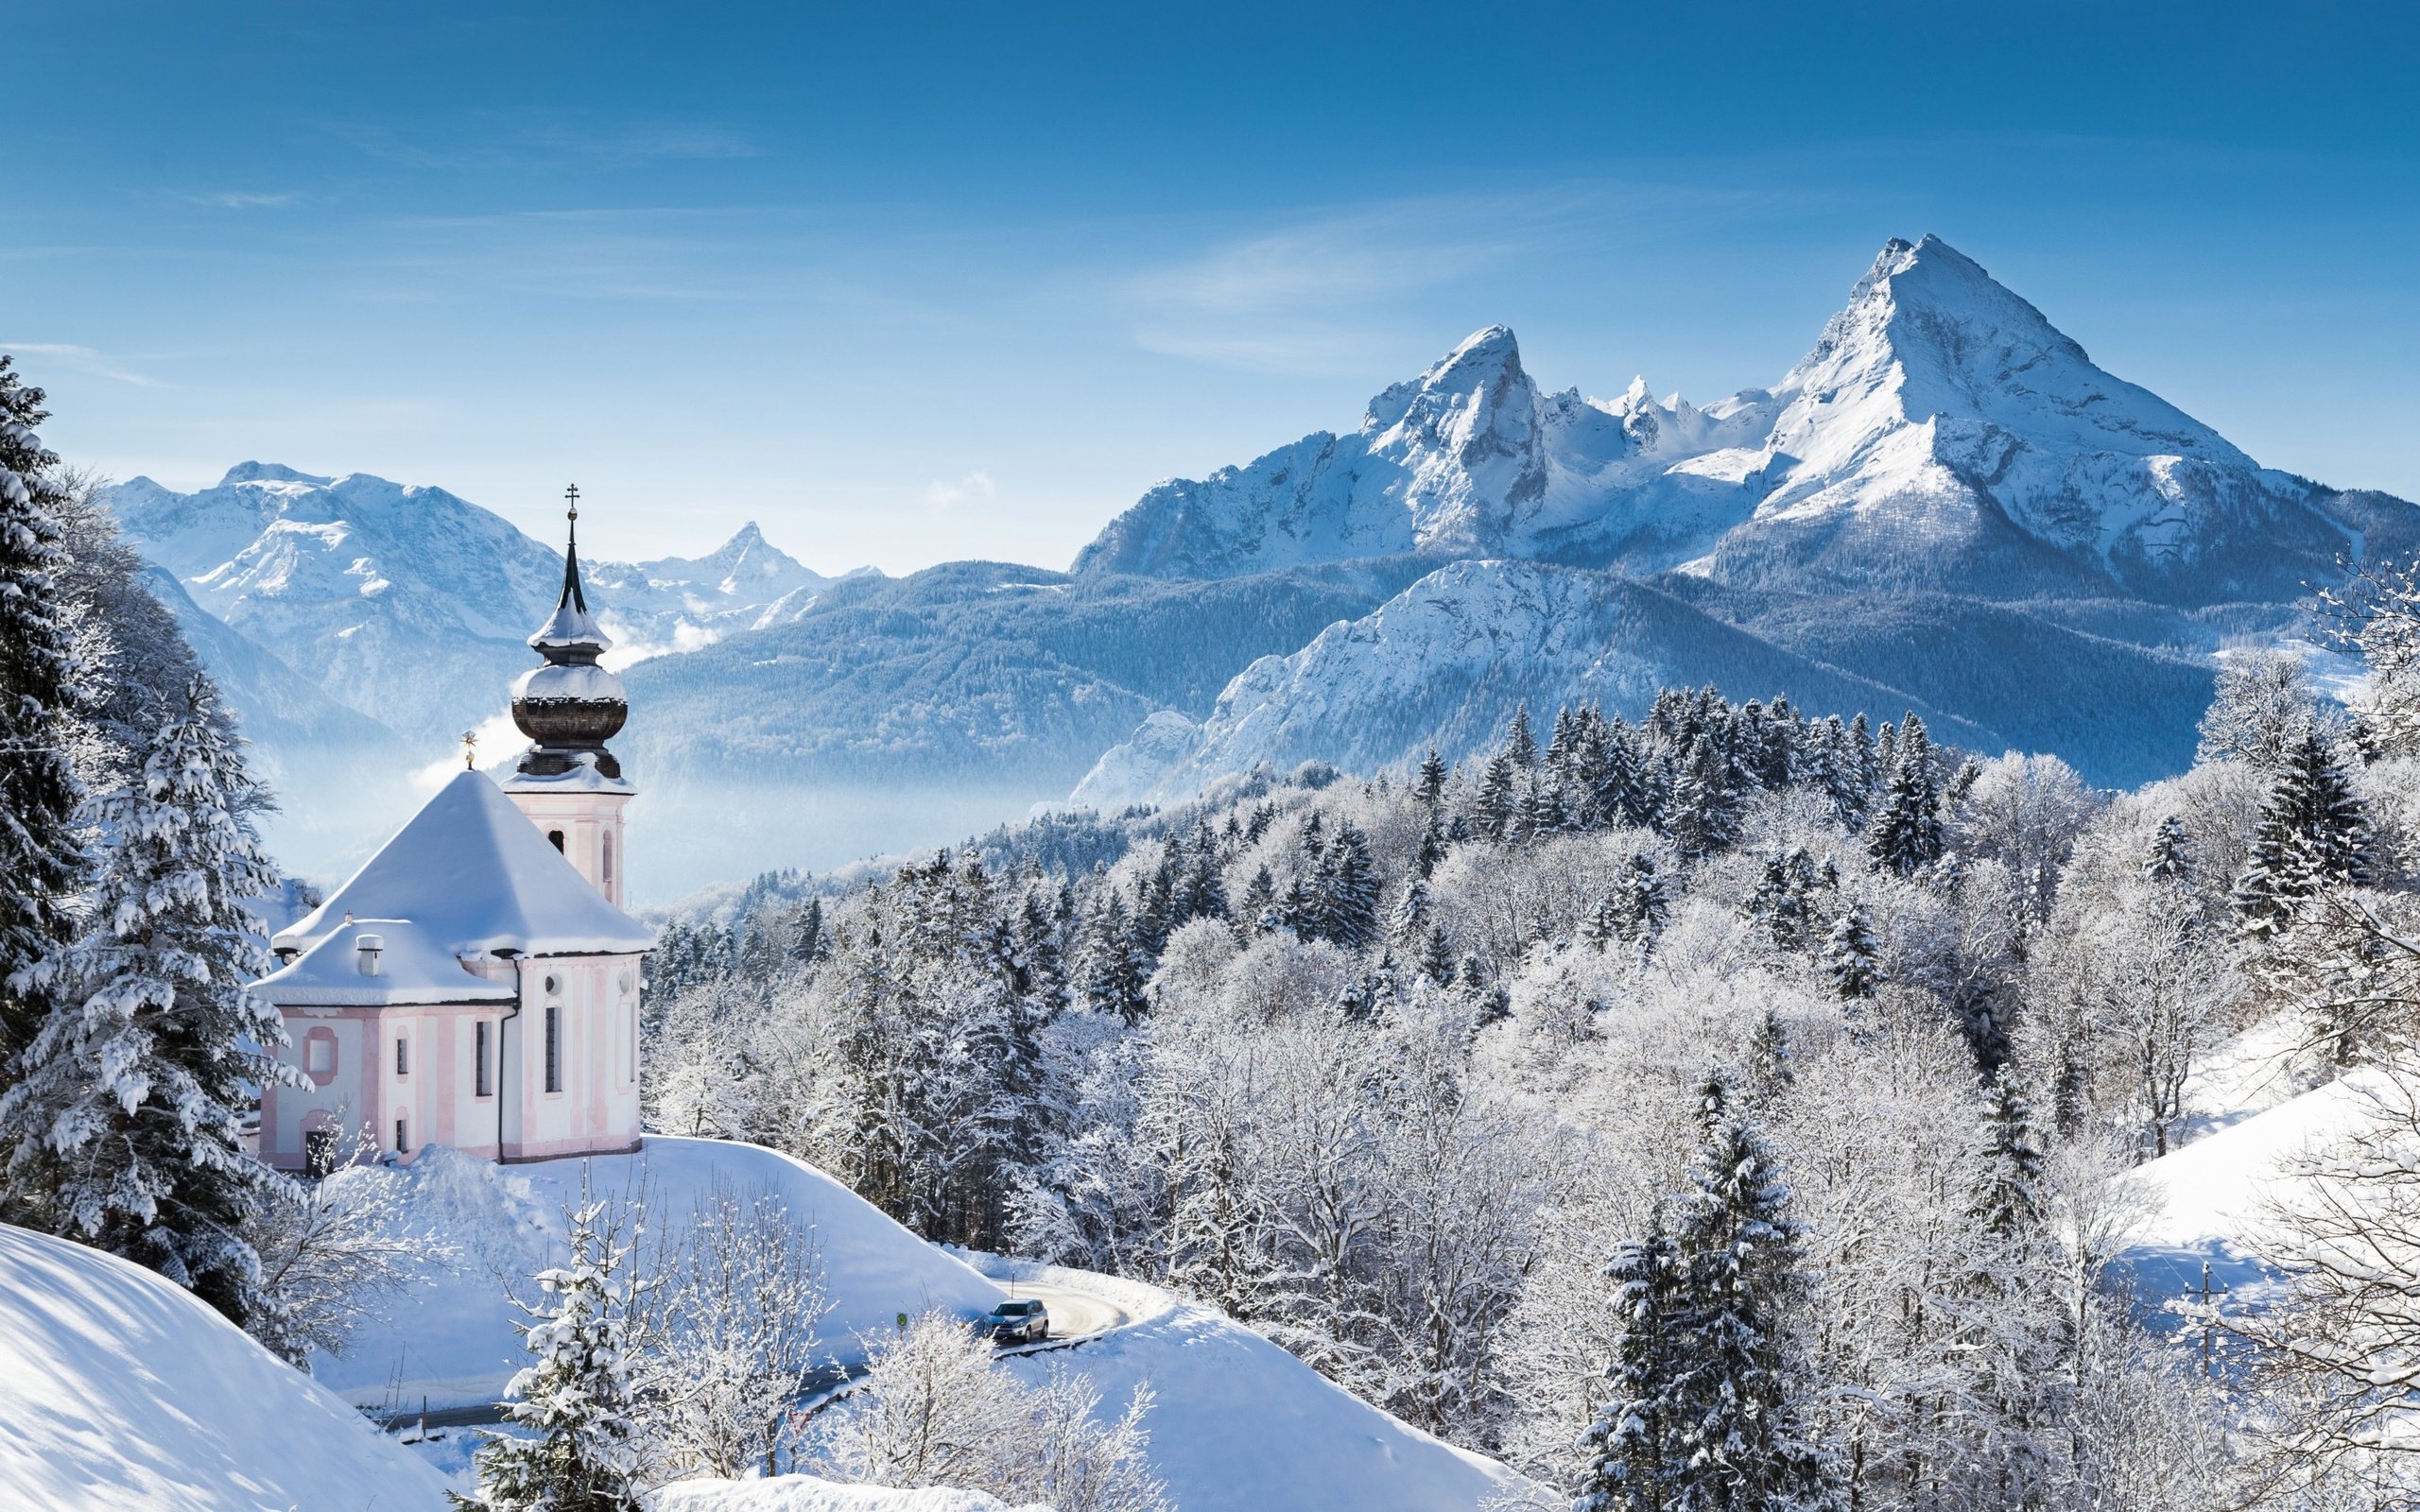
1074 1314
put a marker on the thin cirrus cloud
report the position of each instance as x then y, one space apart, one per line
944 494
1310 298
509 140
84 359
245 200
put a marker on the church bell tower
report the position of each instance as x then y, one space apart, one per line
567 782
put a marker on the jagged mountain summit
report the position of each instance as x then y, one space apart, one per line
1942 434
406 603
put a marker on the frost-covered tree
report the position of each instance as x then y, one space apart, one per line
42 700
1735 1402
2170 858
124 1129
1702 815
333 1253
1905 835
577 1396
1851 954
2314 834
1636 1449
731 1338
2262 703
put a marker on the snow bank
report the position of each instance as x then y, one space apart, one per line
2211 1196
1239 1425
804 1493
118 1389
453 1341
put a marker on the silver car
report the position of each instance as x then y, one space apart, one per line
1024 1321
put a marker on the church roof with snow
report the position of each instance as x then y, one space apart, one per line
473 876
374 962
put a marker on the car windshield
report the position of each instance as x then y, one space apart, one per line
1016 1309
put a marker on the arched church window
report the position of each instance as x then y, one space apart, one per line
554 1047
608 872
556 838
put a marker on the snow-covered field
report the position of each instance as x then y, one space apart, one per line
120 1391
1239 1425
452 1340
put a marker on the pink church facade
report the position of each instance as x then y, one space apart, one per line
477 983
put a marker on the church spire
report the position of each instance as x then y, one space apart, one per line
570 706
569 635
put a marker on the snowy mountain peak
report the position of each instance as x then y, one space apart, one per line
268 472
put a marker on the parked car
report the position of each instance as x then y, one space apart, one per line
1019 1322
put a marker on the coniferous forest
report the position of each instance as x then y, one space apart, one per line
1726 1110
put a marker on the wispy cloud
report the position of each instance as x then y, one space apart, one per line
946 496
244 200
84 359
517 141
1310 297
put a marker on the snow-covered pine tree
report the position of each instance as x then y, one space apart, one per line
1622 790
2314 834
1768 1070
1703 816
1519 744
2008 1194
41 863
1437 957
1407 924
1732 1401
1432 847
1431 787
1349 890
577 1395
1632 1447
2170 858
123 1130
1109 972
1906 834
1851 954
1498 799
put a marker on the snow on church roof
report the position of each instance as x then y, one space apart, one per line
404 965
475 877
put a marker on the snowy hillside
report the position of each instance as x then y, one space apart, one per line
119 1389
451 1341
1239 1425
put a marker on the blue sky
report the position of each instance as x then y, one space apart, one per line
913 283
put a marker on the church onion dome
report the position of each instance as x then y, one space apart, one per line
570 706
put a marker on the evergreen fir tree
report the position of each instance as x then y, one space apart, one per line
1622 789
1906 834
42 863
2008 1199
577 1396
1432 847
1520 745
2314 834
1437 957
1431 790
1769 1069
2170 860
1110 973
123 1130
1632 1446
1349 891
1732 1404
1409 923
1703 814
1645 906
1853 954
1492 814
1260 896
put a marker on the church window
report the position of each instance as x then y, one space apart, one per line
403 1145
484 1078
402 1055
320 1055
557 838
608 852
554 1047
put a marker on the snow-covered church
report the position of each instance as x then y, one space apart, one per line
475 983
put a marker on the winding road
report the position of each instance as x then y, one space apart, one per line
1075 1317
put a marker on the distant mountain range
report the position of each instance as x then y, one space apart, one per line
1944 506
